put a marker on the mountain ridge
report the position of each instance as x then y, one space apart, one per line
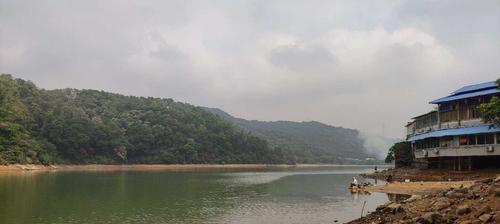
321 142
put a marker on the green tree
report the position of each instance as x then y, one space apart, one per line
490 112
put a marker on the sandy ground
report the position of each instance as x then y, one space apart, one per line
417 188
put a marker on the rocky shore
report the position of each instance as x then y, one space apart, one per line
477 203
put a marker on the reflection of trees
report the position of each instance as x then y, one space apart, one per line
121 197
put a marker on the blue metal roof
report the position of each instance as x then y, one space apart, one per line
465 95
475 87
456 131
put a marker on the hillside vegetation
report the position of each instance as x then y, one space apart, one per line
311 142
88 126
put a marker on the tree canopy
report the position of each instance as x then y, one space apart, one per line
490 112
89 126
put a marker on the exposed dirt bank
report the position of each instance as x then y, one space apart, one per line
416 188
19 167
414 175
477 203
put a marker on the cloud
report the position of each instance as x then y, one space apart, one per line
298 59
369 66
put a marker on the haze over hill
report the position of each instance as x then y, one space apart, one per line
315 141
89 126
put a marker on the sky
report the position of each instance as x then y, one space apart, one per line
368 65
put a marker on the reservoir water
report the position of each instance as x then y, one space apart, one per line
297 195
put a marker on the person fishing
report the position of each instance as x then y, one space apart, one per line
354 182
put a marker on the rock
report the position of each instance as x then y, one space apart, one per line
485 218
463 209
450 219
497 180
491 190
413 198
383 206
441 204
395 208
456 195
465 222
486 181
484 210
430 218
462 190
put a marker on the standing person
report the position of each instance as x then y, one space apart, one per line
388 179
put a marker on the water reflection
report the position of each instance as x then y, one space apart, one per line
268 196
398 197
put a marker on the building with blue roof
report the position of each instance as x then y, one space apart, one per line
453 135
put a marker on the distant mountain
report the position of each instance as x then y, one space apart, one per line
314 142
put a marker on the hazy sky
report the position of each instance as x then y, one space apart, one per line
369 65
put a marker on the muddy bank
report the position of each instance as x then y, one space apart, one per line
477 203
414 175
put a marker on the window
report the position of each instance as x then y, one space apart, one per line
480 139
475 113
489 139
471 139
462 140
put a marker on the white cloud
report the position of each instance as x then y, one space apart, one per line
350 63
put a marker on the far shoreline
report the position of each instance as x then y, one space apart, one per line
173 167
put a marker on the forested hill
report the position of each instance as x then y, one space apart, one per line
88 126
313 141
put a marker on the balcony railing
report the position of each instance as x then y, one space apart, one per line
445 125
458 151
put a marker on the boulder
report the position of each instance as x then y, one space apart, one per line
441 203
449 219
486 181
463 209
485 218
484 210
430 218
413 198
497 180
394 208
462 190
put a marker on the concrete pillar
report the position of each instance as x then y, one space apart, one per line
470 163
438 118
459 163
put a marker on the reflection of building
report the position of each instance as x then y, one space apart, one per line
453 136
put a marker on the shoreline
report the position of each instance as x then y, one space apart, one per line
417 188
145 167
438 196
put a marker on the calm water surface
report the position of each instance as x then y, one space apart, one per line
216 196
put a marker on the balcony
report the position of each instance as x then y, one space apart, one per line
459 151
